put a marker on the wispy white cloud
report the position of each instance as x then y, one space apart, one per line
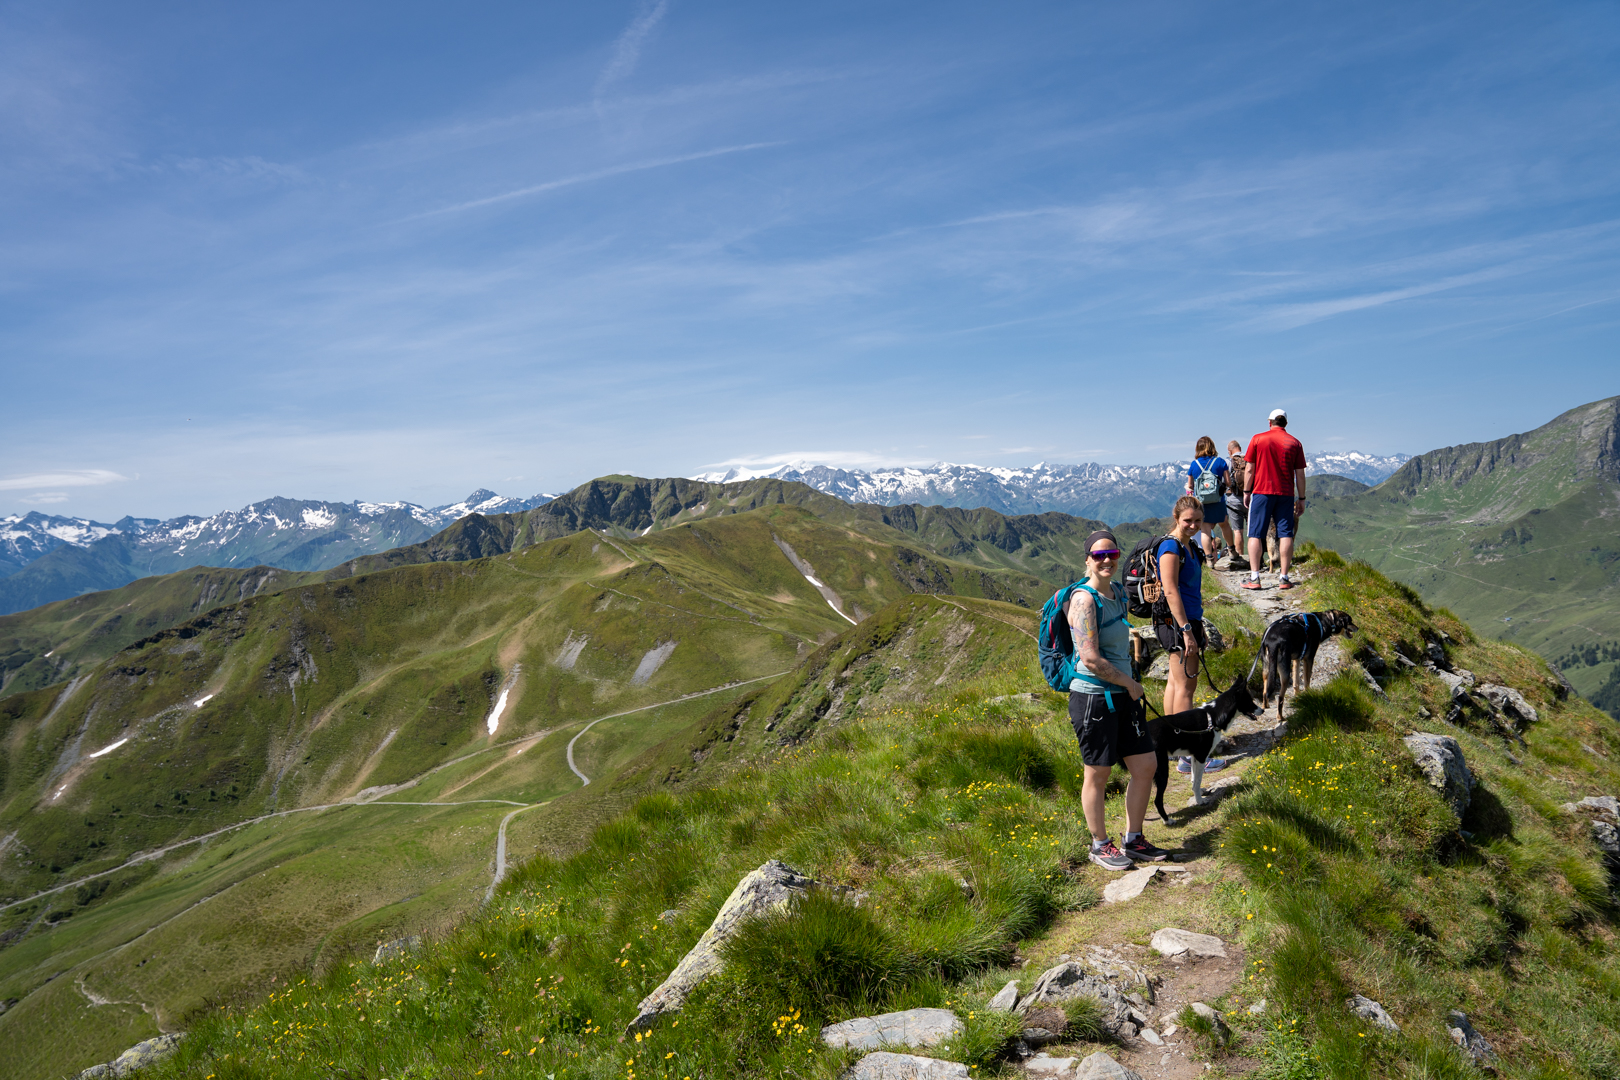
44 498
627 48
598 174
64 478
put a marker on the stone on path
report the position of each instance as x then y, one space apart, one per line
768 888
1172 941
914 1027
1368 1009
1100 1066
136 1057
1129 886
1111 989
1006 998
1441 760
886 1066
1223 1032
1469 1041
1044 1065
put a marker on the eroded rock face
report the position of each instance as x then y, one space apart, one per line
1006 998
914 1027
768 888
886 1066
1443 766
136 1057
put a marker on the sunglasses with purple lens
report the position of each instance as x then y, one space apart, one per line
1110 553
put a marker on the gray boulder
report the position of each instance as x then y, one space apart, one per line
1443 766
1461 681
1598 804
914 1027
886 1066
138 1056
1172 941
1100 1066
1469 1041
769 888
1222 1030
1510 701
1006 998
1368 1009
1071 980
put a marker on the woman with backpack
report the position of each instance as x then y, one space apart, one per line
1178 619
1208 480
1105 708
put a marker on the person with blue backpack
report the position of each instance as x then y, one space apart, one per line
1208 479
1085 650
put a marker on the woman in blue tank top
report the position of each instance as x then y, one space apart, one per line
1105 709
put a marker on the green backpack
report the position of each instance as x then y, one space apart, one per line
1207 485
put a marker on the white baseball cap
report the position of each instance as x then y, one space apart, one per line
1277 414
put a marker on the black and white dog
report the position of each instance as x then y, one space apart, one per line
1289 646
1196 733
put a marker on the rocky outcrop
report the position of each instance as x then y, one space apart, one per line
886 1066
1368 1009
769 888
1006 998
1113 982
1469 1041
1443 766
1510 702
138 1056
914 1027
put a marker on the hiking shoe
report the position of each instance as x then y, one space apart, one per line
1251 583
1142 851
1284 583
1110 857
1184 765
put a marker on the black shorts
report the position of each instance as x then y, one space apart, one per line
1170 637
1108 738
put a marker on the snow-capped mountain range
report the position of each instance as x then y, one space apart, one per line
1113 493
295 534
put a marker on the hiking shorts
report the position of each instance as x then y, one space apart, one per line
1215 513
1266 509
1108 737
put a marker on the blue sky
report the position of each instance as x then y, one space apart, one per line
400 250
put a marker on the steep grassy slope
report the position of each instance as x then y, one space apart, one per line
1516 535
52 643
378 691
1335 868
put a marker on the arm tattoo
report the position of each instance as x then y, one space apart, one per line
1083 625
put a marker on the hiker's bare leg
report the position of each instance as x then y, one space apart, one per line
1285 548
1094 799
1139 790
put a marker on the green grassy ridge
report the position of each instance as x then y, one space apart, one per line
1379 893
625 756
418 652
89 628
1512 534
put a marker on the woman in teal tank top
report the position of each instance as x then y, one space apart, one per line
1105 709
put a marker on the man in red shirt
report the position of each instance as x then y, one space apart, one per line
1274 491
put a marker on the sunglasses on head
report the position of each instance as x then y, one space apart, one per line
1109 553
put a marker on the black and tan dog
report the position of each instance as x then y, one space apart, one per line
1195 733
1288 650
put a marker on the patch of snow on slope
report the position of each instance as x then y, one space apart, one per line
319 519
108 749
